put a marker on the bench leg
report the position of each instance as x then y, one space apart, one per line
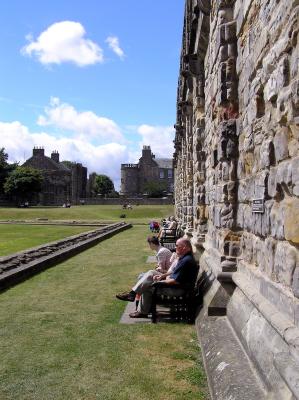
154 313
154 306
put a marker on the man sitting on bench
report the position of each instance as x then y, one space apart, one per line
181 279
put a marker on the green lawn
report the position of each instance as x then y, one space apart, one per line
139 214
60 336
15 238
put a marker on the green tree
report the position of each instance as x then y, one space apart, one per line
3 158
155 189
103 185
5 168
23 183
114 194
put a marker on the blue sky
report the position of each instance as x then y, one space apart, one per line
94 80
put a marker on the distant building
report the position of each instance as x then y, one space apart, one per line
134 177
62 183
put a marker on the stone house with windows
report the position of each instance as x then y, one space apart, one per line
135 177
62 183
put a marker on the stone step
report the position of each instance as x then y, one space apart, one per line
231 375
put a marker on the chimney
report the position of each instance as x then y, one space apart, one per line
146 152
55 156
38 151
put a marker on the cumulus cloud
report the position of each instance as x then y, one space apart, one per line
160 138
64 42
18 142
113 43
84 124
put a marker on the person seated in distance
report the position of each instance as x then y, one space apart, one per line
169 228
145 279
181 278
154 226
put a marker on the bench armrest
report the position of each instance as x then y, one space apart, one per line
163 284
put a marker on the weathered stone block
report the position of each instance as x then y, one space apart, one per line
248 139
284 173
266 153
257 218
281 144
248 225
291 221
261 184
266 219
294 63
272 182
295 175
293 146
270 247
240 216
277 217
259 253
295 283
285 262
284 105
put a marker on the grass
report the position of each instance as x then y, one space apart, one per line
139 214
15 238
60 336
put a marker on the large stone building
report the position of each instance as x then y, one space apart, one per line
135 177
237 178
61 183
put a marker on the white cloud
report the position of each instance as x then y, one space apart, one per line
64 42
18 142
160 138
106 158
85 125
113 43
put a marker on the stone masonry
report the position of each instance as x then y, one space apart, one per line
236 167
134 177
61 184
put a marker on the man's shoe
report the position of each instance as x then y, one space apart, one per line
137 314
126 296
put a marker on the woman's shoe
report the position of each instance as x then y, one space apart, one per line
137 314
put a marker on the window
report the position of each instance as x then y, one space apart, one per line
169 173
161 174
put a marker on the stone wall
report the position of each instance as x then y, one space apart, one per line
237 167
129 200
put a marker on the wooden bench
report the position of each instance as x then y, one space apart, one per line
182 307
169 239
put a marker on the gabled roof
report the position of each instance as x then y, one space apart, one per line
45 163
164 162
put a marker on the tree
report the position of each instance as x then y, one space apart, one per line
113 195
23 183
103 185
155 189
3 158
5 168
